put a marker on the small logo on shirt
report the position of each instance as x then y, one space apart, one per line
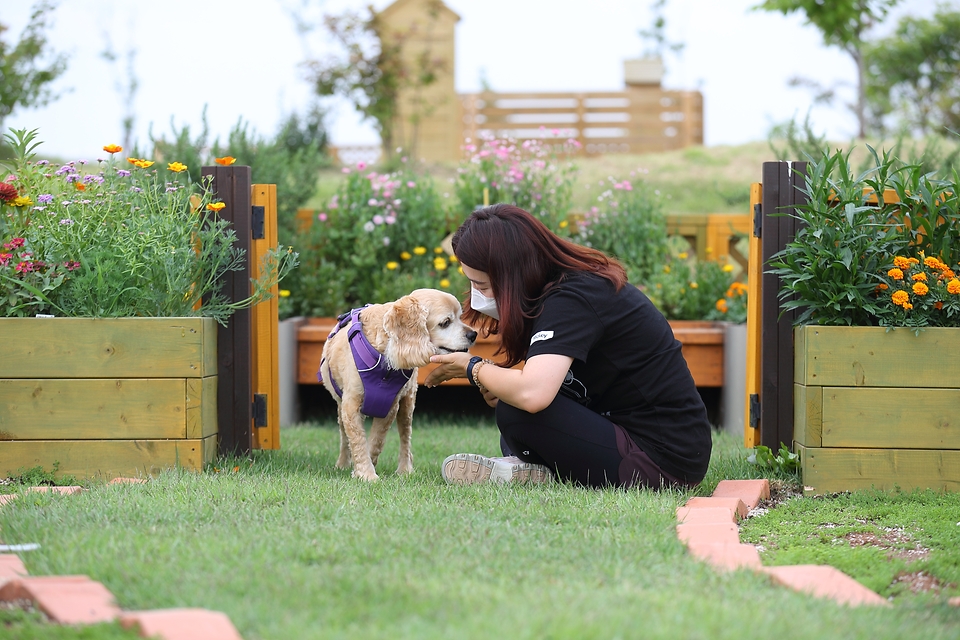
541 335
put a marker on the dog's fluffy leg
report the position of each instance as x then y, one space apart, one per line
344 460
405 428
352 422
378 434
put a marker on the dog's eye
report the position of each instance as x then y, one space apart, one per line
446 323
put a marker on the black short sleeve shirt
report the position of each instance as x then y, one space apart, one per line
627 366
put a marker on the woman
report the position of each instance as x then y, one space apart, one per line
604 396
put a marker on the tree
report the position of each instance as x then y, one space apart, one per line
913 74
374 72
24 78
844 24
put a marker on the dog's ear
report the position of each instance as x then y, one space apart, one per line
408 340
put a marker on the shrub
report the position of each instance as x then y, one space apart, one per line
688 289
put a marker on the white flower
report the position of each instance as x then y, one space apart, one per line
368 227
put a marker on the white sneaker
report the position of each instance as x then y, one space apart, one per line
470 468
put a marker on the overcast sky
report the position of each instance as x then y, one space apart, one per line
241 58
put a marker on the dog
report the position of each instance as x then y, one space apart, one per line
386 343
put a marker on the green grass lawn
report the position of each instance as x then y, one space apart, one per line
289 547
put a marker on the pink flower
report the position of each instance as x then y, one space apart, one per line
378 219
345 170
372 202
361 165
411 184
322 217
390 219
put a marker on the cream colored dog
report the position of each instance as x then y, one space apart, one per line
403 335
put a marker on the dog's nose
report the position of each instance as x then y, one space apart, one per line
472 336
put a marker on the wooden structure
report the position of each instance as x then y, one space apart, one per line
636 120
713 236
107 397
877 408
702 348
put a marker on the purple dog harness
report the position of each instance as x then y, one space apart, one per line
381 384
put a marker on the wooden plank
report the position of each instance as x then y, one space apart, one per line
751 430
105 459
202 407
106 347
265 367
808 415
234 396
51 409
891 418
862 356
770 307
829 470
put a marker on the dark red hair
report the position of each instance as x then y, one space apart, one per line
523 260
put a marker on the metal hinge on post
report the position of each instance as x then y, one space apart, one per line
757 220
755 410
259 409
257 222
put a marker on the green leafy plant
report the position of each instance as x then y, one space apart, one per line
689 289
785 461
115 239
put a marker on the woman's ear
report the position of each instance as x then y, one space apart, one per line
408 340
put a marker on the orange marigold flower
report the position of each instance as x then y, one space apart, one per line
899 298
920 289
113 148
954 287
947 273
938 306
920 277
895 273
176 167
901 262
722 305
882 287
933 263
907 306
225 161
913 261
216 206
80 186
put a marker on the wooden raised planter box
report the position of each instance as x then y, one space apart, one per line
877 408
702 348
107 397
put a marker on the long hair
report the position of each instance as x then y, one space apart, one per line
523 260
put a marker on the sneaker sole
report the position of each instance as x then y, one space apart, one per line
471 468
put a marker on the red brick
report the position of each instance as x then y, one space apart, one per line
65 599
70 490
181 624
128 481
708 533
954 601
11 567
7 497
706 515
734 504
751 492
726 556
824 582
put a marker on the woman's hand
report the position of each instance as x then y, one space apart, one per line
452 365
490 399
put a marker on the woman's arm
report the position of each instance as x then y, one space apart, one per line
531 388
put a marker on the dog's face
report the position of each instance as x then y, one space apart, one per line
425 323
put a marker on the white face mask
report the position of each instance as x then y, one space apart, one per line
483 304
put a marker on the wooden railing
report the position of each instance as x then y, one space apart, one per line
637 120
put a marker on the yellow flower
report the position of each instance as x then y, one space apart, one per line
563 224
709 250
225 161
895 273
420 250
113 148
920 289
133 161
176 167
694 285
899 298
921 277
907 306
954 286
405 255
216 206
444 283
22 201
727 268
666 268
682 255
144 164
452 258
284 293
392 265
438 250
439 263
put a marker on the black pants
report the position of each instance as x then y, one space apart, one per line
579 445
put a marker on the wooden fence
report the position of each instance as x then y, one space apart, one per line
637 120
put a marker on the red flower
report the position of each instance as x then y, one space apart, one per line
8 192
16 243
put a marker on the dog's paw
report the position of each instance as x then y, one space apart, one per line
405 468
369 476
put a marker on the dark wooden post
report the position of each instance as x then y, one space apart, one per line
781 195
234 392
